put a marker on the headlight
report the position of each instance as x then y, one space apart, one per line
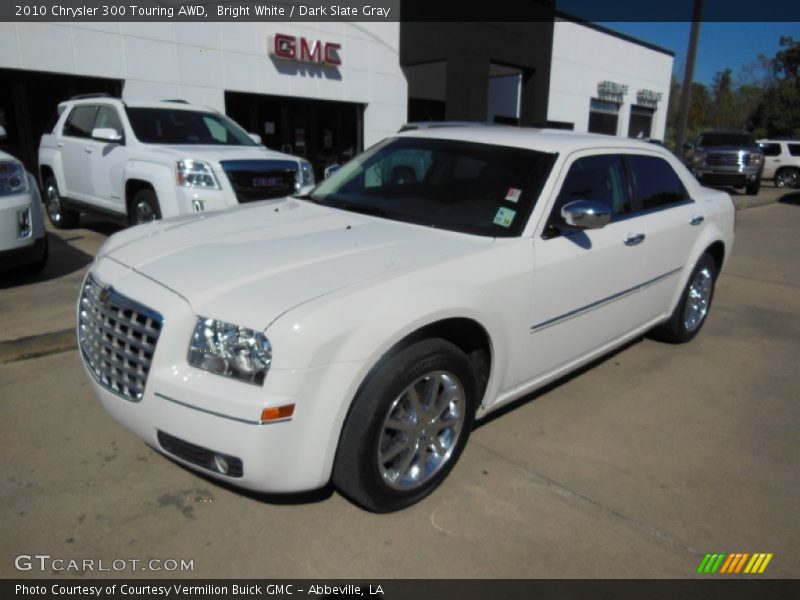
305 176
699 158
230 351
756 158
195 173
13 179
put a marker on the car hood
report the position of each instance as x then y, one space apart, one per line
212 153
250 264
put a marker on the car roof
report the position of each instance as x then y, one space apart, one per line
543 140
171 104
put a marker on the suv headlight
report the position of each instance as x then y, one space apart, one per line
305 176
699 158
13 179
755 158
229 350
195 173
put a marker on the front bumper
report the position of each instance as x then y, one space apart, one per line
727 175
221 416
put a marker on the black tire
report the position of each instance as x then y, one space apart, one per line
678 329
788 177
59 216
753 188
143 207
41 263
357 473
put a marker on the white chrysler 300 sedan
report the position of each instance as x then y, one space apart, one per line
354 334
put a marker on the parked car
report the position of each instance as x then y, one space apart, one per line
356 332
781 162
23 241
141 161
730 158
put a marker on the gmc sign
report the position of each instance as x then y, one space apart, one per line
290 47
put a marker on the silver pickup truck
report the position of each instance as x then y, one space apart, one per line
727 158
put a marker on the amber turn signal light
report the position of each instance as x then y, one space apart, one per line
274 413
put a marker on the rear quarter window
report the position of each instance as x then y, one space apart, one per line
655 182
794 149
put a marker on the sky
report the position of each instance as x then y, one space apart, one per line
720 44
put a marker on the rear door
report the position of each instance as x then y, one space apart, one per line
76 146
673 222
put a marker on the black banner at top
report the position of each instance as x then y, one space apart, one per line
396 10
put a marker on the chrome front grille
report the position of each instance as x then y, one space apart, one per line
117 337
725 159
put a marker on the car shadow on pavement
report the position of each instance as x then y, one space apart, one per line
791 198
63 259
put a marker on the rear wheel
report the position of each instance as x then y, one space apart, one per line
144 207
690 314
787 178
407 427
60 217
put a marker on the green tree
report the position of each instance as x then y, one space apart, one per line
778 113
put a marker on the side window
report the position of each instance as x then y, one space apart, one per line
770 149
655 182
600 179
794 149
108 118
80 121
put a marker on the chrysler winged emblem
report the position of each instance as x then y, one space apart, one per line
105 294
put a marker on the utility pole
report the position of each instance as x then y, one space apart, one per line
688 77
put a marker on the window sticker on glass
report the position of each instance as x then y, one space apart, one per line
504 217
513 194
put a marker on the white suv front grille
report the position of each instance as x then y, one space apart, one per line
117 337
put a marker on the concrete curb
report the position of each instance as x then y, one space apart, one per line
37 345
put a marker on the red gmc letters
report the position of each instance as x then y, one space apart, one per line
290 47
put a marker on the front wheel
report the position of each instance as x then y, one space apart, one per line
144 207
753 188
407 427
690 314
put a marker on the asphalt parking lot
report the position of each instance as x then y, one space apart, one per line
635 467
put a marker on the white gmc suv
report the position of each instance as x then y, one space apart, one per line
355 333
141 161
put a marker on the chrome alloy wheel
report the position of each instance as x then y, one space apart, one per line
698 299
53 203
144 213
788 178
421 430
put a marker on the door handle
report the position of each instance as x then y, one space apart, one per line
88 150
696 220
634 239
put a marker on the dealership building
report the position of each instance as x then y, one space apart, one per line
327 90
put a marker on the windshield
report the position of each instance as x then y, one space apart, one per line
175 126
461 186
740 140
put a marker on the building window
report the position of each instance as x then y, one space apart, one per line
641 123
603 116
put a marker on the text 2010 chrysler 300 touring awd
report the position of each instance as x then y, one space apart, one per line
355 334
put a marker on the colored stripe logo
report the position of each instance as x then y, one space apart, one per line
737 562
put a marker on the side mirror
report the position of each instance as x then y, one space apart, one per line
255 137
106 134
331 169
586 214
3 134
